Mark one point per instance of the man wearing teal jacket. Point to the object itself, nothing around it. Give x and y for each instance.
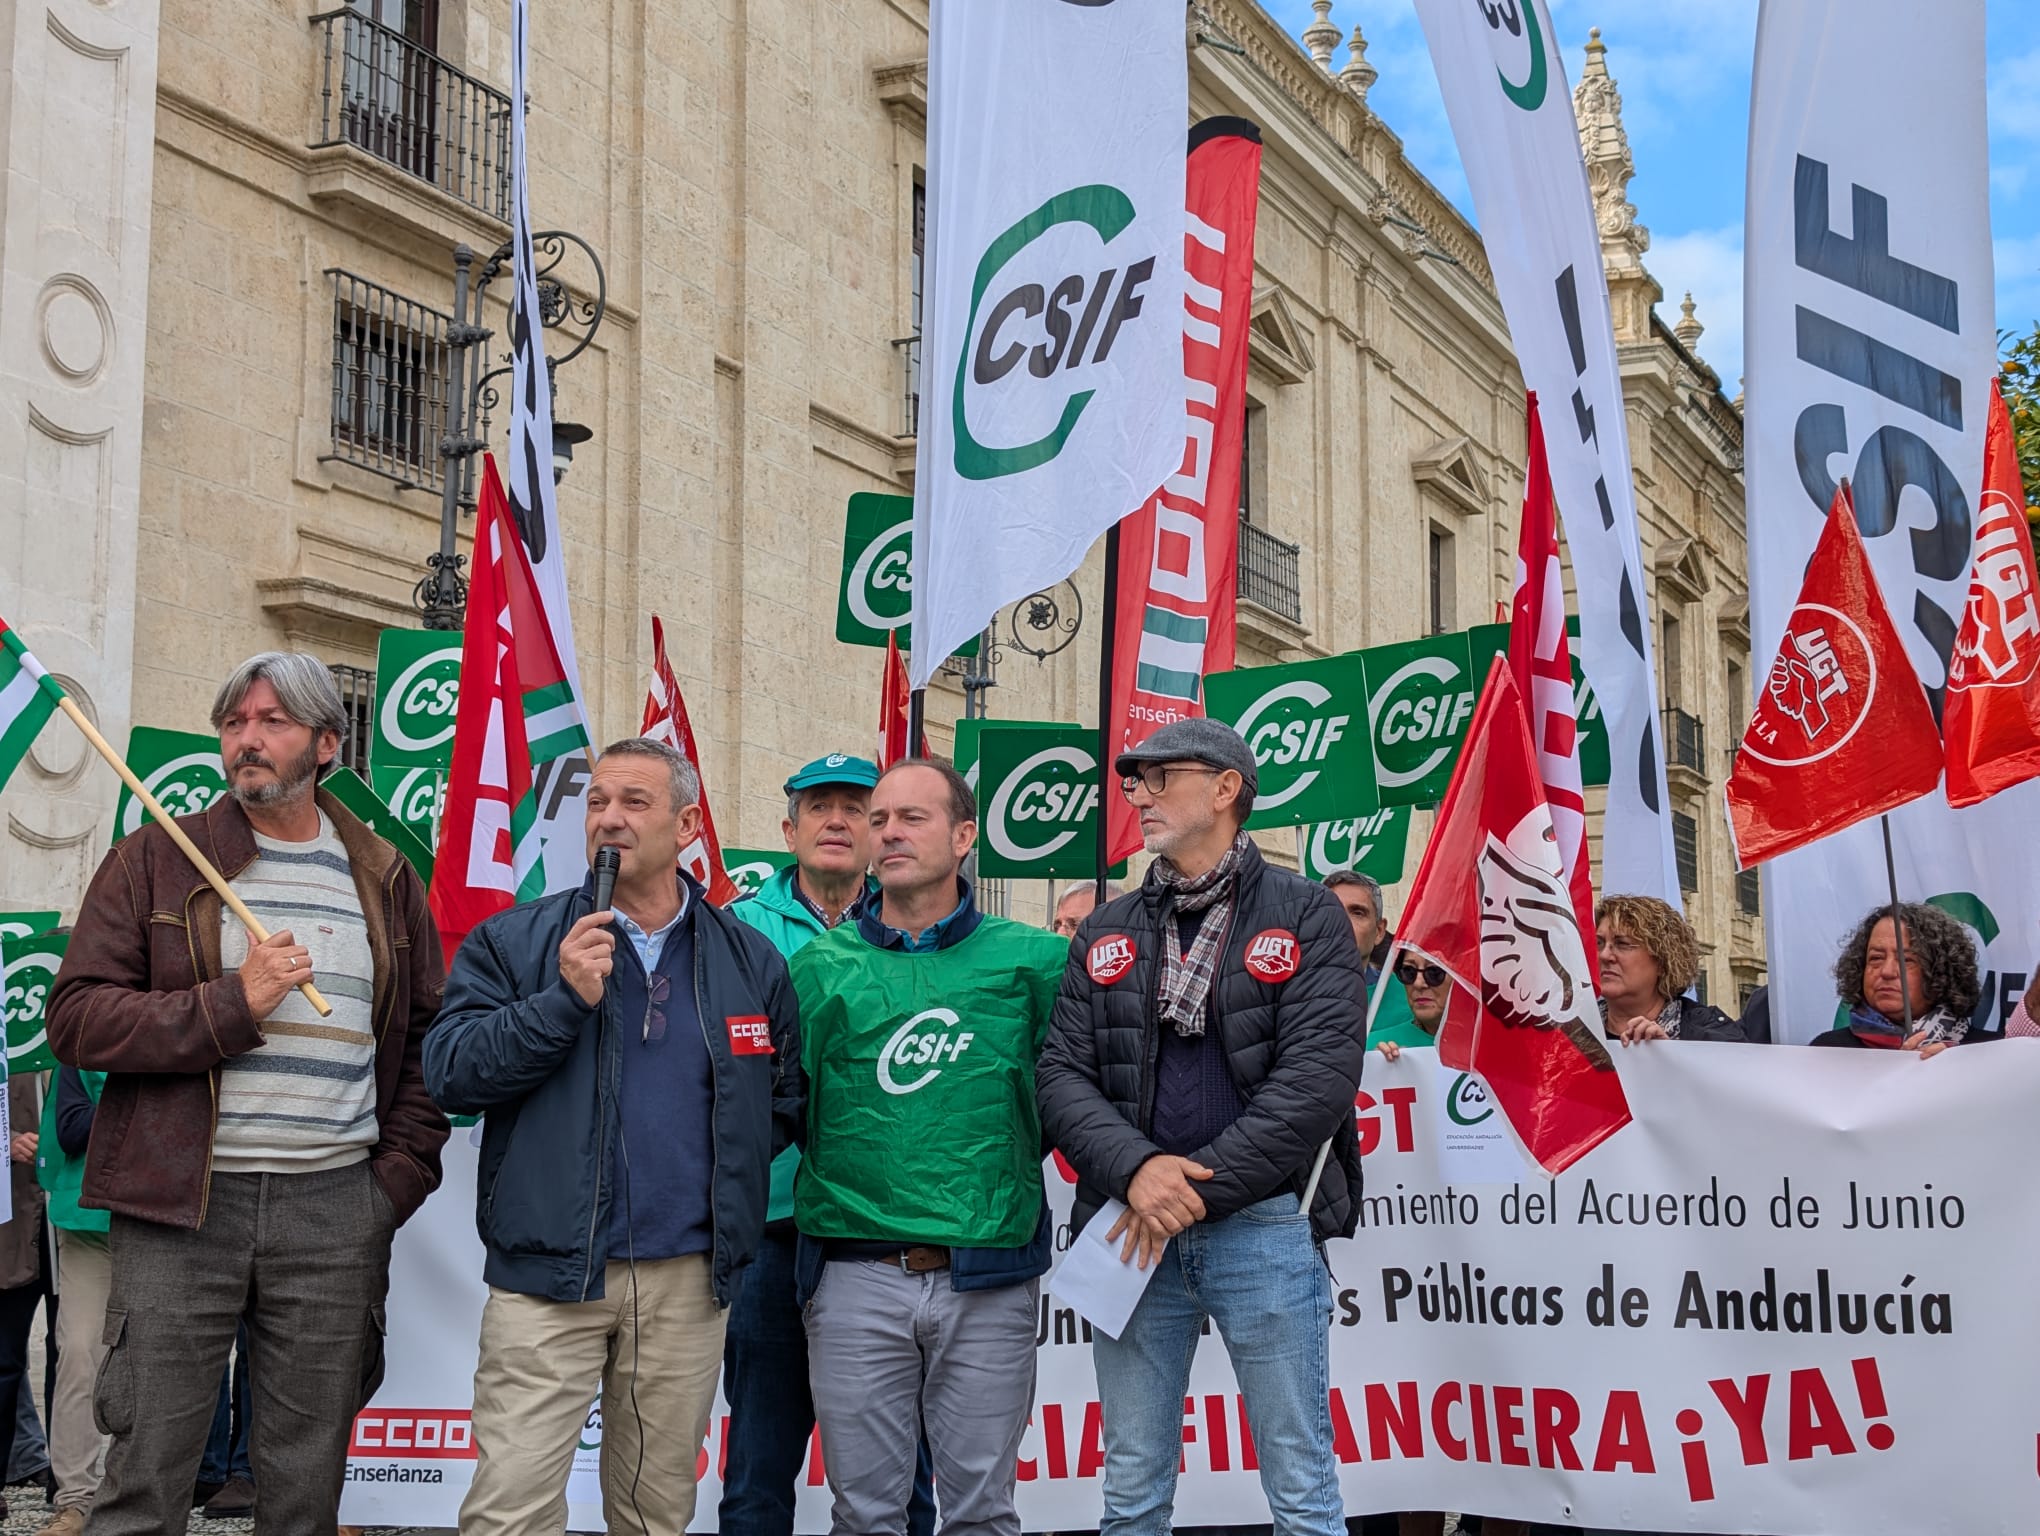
(765, 1364)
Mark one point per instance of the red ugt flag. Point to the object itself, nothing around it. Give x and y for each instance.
(1492, 906)
(1991, 718)
(1540, 660)
(1842, 730)
(666, 720)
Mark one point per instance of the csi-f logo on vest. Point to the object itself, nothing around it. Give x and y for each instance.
(1272, 954)
(1111, 957)
(930, 1040)
(1819, 691)
(1045, 310)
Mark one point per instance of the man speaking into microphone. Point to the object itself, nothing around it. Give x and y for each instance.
(636, 1058)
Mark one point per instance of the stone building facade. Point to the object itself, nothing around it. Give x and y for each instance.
(224, 298)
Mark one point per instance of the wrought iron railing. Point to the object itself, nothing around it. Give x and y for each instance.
(1268, 572)
(391, 363)
(357, 698)
(404, 104)
(1685, 740)
(909, 350)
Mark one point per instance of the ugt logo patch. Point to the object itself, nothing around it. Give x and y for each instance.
(1111, 958)
(1271, 954)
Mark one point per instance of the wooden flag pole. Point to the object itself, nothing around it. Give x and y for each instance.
(199, 861)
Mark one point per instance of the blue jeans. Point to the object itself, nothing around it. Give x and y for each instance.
(226, 1448)
(1260, 1279)
(772, 1412)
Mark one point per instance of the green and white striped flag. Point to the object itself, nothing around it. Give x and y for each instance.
(28, 697)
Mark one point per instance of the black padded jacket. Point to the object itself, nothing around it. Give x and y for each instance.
(1291, 1012)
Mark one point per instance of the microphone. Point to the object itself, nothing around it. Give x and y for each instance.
(607, 862)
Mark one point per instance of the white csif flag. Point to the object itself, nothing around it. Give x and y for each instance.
(563, 783)
(1052, 352)
(1870, 335)
(1512, 115)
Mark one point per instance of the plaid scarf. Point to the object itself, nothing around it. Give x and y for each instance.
(1186, 979)
(1669, 1018)
(1935, 1025)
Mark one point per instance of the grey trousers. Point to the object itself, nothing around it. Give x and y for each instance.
(306, 1258)
(892, 1356)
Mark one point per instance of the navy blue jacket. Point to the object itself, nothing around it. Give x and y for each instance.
(516, 1044)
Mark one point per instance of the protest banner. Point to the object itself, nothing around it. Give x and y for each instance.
(750, 868)
(875, 597)
(417, 795)
(24, 925)
(1756, 1309)
(381, 818)
(1038, 801)
(1306, 724)
(1376, 845)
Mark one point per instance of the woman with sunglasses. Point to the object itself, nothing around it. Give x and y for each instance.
(1649, 958)
(1428, 989)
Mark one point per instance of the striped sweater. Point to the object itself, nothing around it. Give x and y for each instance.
(304, 1101)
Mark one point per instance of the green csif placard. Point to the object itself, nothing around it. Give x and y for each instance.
(180, 768)
(417, 691)
(348, 788)
(1038, 801)
(28, 972)
(876, 596)
(1306, 724)
(1376, 845)
(750, 868)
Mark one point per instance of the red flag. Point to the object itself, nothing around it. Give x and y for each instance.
(516, 710)
(1842, 730)
(1540, 660)
(1491, 905)
(1991, 717)
(666, 720)
(1176, 608)
(895, 705)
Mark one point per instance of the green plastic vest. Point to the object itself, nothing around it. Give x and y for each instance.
(61, 1175)
(921, 1117)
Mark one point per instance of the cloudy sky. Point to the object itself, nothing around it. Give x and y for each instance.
(1684, 70)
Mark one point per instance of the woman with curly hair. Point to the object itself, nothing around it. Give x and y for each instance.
(1939, 980)
(1648, 959)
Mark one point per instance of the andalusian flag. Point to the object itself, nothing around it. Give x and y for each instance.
(518, 711)
(28, 697)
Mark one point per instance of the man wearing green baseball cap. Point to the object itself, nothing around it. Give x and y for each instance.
(765, 1369)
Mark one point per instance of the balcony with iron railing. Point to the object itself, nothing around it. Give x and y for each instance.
(1269, 576)
(1685, 746)
(400, 102)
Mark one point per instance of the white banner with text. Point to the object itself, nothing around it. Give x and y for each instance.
(1788, 1299)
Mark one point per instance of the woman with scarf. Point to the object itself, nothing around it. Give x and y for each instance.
(1939, 982)
(1648, 958)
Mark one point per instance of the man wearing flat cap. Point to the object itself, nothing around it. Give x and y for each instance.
(1207, 1040)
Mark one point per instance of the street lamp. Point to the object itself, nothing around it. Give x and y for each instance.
(441, 596)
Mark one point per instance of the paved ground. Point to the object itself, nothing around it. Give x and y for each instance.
(27, 1514)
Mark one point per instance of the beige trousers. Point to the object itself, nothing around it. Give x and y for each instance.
(77, 1448)
(540, 1363)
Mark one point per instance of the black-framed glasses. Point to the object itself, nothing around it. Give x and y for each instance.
(1155, 776)
(658, 988)
(1408, 972)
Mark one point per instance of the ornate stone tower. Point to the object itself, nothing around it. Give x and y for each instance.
(1597, 102)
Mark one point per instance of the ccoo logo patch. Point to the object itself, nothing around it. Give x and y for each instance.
(1111, 958)
(1272, 955)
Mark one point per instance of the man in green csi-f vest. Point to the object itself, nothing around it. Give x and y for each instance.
(765, 1359)
(924, 1227)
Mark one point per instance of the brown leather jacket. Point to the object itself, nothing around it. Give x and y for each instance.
(140, 996)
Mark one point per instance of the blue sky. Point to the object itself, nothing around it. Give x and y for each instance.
(1684, 70)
